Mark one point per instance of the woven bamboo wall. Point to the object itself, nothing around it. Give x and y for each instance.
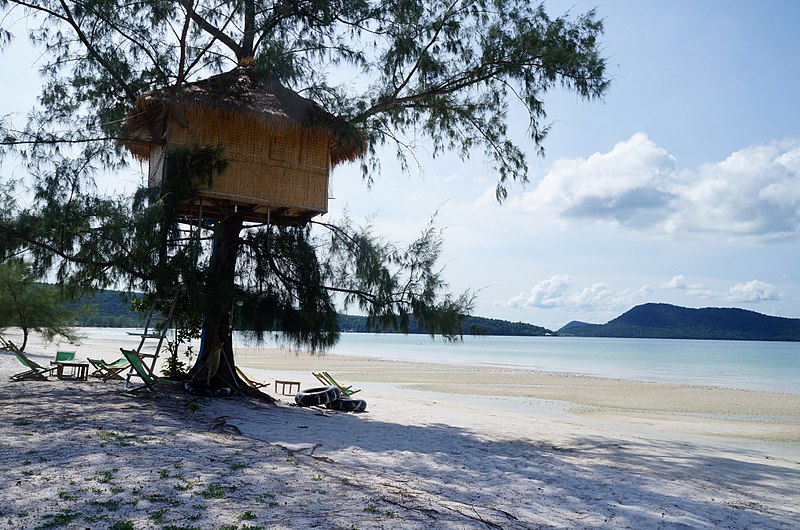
(271, 164)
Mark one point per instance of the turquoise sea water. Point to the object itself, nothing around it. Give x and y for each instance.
(771, 366)
(749, 365)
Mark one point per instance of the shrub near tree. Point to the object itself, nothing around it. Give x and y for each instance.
(445, 72)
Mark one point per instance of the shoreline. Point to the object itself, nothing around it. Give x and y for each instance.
(746, 414)
(438, 447)
(439, 352)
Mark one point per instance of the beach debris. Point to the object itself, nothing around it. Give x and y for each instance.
(221, 425)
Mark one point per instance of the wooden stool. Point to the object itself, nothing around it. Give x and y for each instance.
(77, 371)
(287, 388)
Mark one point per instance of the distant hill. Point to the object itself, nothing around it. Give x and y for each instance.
(106, 309)
(112, 309)
(472, 326)
(665, 321)
(491, 326)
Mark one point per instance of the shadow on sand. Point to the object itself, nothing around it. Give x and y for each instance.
(84, 453)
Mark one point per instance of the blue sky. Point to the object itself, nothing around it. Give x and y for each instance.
(681, 186)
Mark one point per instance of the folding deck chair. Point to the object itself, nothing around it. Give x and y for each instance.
(108, 371)
(34, 371)
(258, 385)
(63, 357)
(148, 378)
(326, 379)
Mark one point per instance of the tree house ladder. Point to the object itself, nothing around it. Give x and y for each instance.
(151, 339)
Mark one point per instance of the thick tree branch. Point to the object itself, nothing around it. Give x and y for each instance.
(212, 30)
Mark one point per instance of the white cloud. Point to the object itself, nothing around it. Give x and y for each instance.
(627, 185)
(699, 291)
(677, 282)
(696, 289)
(754, 193)
(555, 292)
(754, 291)
(546, 293)
(487, 199)
(596, 295)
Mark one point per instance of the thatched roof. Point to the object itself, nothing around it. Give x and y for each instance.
(238, 92)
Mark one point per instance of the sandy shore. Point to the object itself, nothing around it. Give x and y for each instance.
(439, 447)
(749, 415)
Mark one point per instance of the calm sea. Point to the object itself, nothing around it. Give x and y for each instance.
(771, 366)
(750, 365)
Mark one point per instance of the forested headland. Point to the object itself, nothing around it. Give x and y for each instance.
(665, 321)
(657, 321)
(113, 309)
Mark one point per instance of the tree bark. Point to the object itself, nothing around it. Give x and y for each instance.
(215, 367)
(214, 371)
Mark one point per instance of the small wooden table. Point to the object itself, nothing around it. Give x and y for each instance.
(282, 385)
(76, 371)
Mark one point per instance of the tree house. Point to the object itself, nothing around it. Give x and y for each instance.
(278, 147)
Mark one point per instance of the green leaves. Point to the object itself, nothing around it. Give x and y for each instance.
(283, 288)
(391, 284)
(293, 279)
(32, 306)
(446, 71)
(400, 71)
(449, 71)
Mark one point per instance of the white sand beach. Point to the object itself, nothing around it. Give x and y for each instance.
(438, 447)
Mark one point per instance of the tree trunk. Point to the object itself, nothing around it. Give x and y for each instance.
(215, 367)
(23, 324)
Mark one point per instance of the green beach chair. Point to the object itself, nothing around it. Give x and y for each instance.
(108, 371)
(326, 379)
(63, 357)
(34, 371)
(148, 378)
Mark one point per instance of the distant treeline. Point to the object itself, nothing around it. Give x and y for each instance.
(472, 326)
(107, 309)
(657, 321)
(665, 321)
